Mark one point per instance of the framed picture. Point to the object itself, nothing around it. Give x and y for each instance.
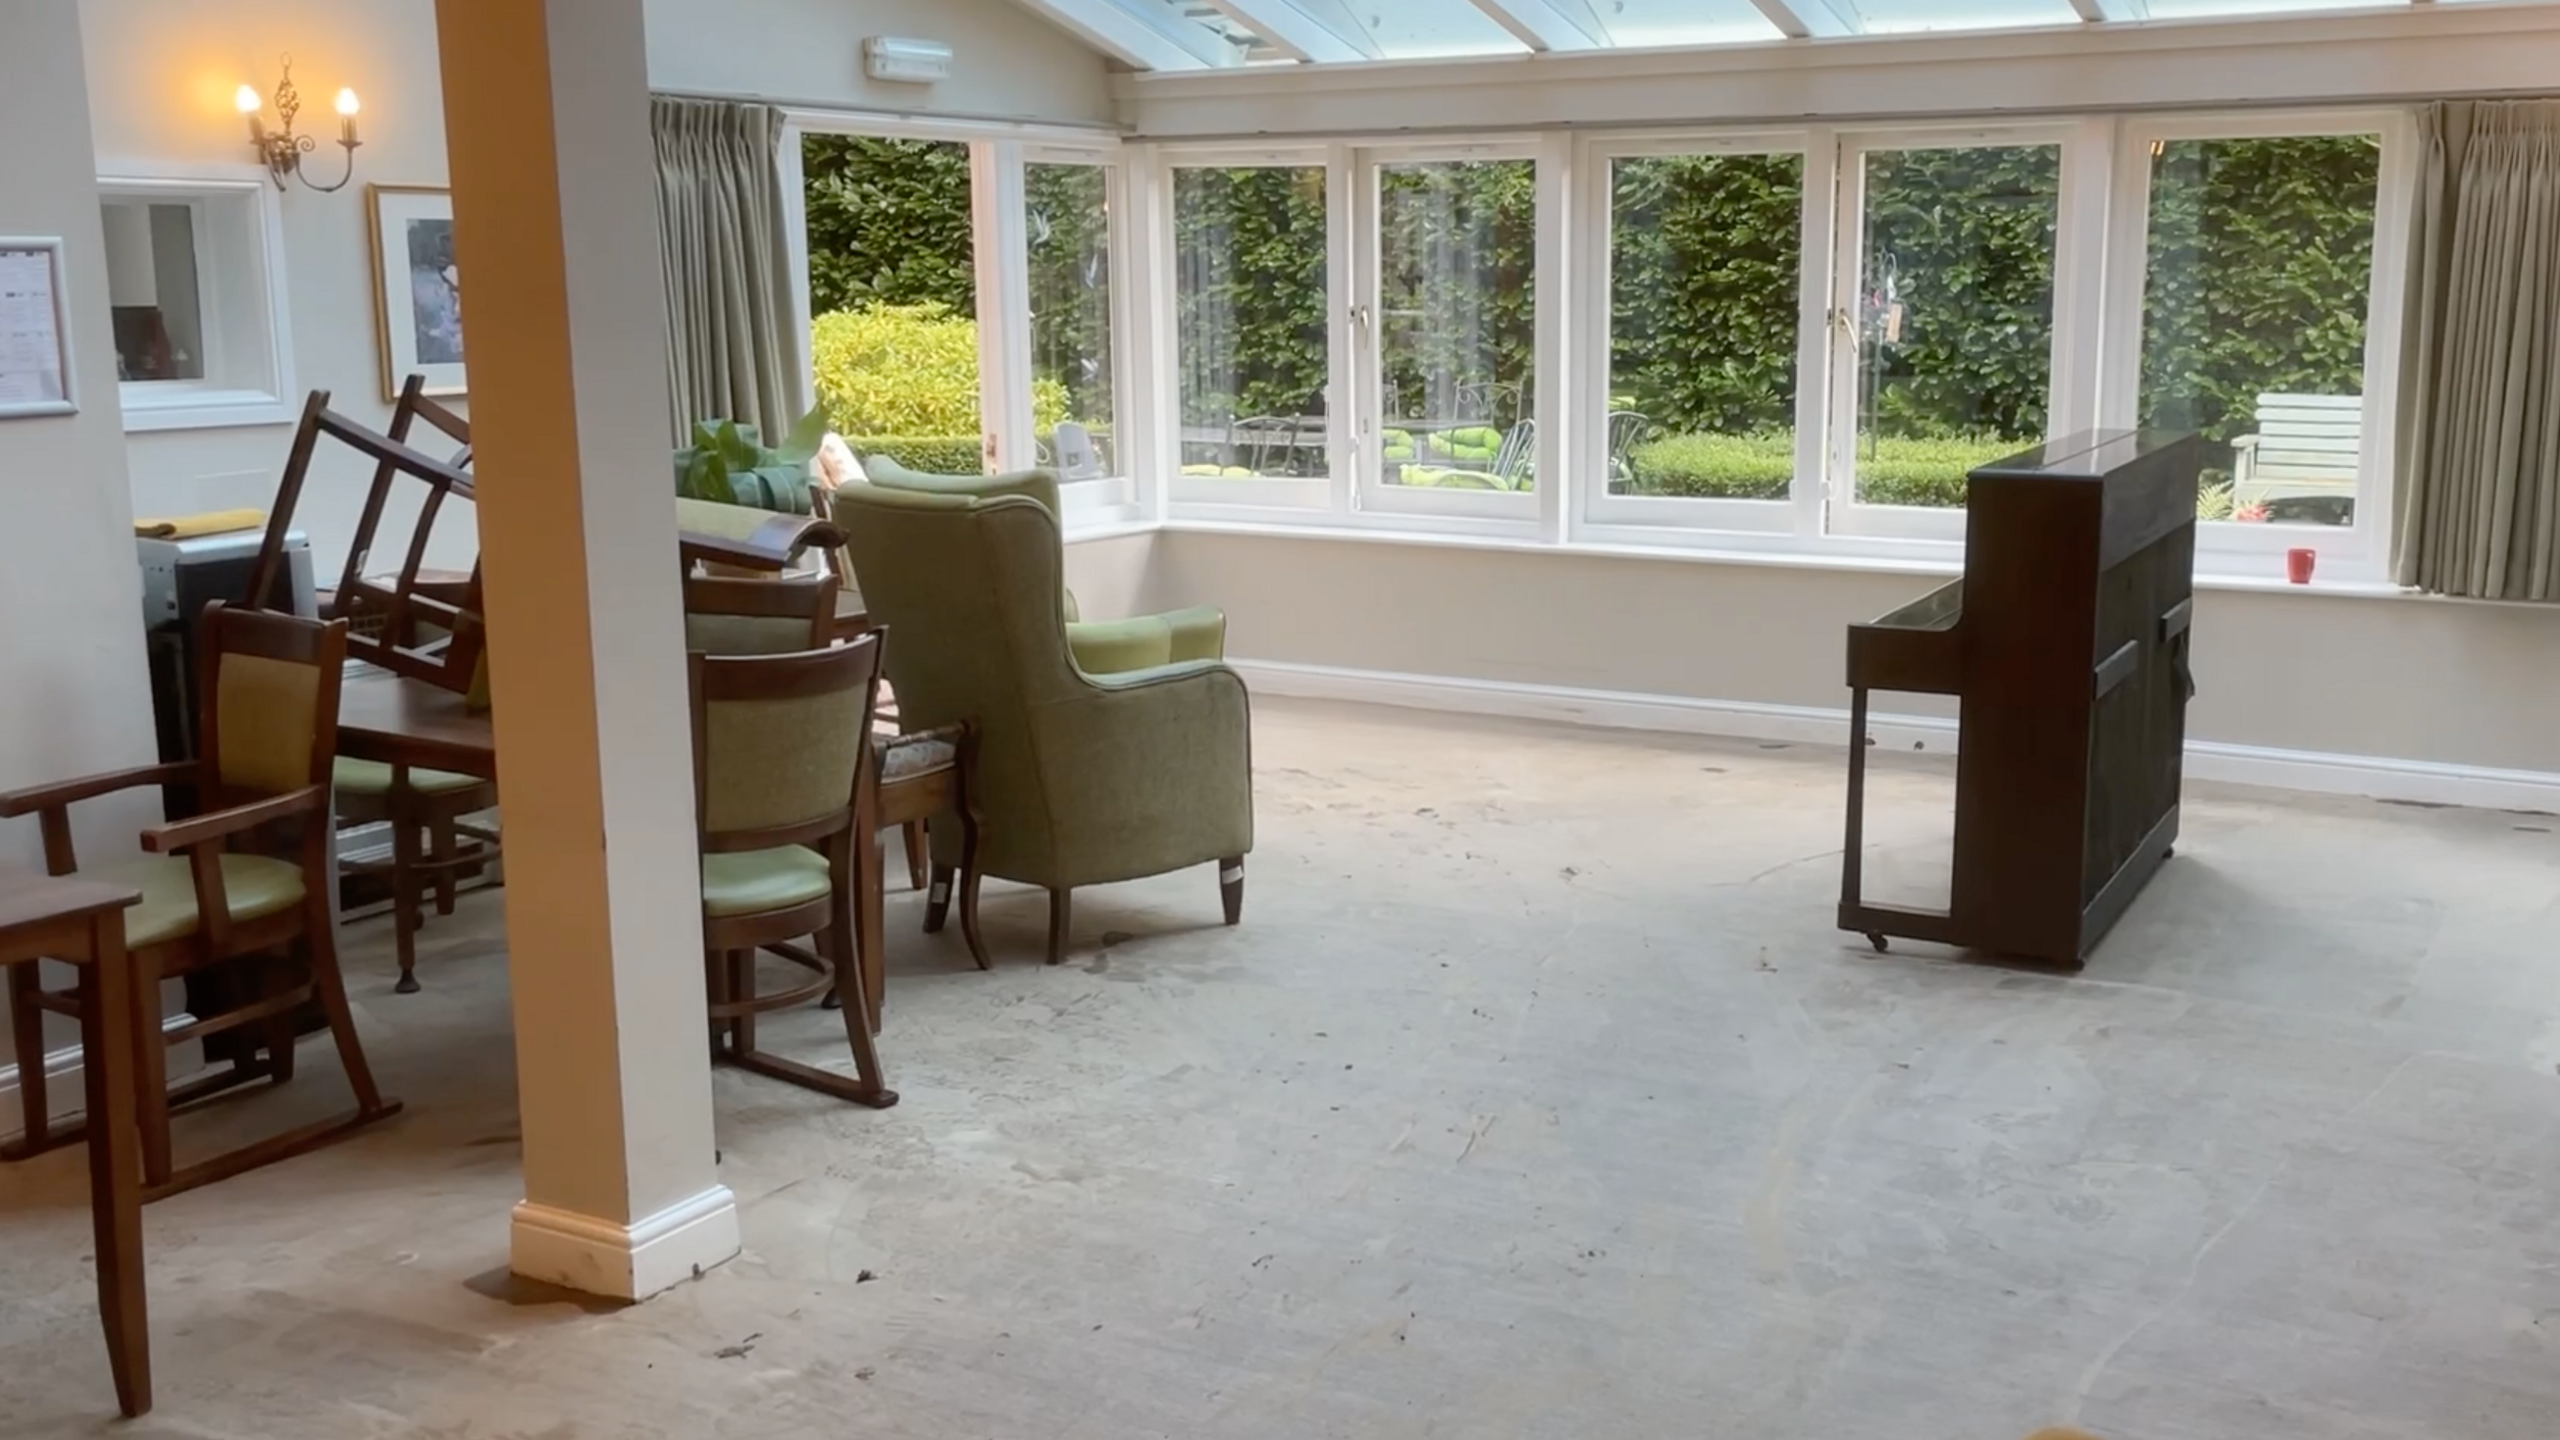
(417, 288)
(35, 329)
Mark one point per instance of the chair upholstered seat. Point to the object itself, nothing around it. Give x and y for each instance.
(372, 777)
(255, 886)
(904, 757)
(750, 882)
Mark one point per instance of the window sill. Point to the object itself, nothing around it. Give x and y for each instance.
(204, 410)
(1945, 561)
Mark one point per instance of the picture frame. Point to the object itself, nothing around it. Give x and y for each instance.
(417, 289)
(36, 374)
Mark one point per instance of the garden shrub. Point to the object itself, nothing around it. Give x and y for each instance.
(907, 370)
(932, 454)
(1762, 467)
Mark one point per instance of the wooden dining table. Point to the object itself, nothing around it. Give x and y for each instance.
(80, 921)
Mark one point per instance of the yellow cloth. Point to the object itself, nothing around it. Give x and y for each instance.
(212, 522)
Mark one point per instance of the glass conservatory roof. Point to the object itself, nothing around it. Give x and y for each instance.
(1211, 34)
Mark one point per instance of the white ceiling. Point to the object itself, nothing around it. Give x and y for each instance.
(1196, 35)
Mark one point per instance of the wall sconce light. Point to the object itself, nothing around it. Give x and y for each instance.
(281, 150)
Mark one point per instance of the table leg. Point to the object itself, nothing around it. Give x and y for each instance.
(115, 1161)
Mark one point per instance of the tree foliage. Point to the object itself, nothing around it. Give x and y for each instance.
(888, 223)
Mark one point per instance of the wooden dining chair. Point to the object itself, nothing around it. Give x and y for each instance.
(413, 622)
(778, 743)
(268, 687)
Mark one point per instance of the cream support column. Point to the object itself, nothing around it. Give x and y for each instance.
(556, 231)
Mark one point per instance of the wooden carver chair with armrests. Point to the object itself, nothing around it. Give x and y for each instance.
(777, 834)
(909, 776)
(412, 623)
(268, 723)
(1103, 752)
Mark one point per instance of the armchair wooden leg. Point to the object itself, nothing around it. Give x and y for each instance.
(937, 900)
(1061, 916)
(844, 939)
(150, 1068)
(969, 886)
(742, 986)
(1231, 887)
(330, 984)
(917, 850)
(405, 919)
(26, 1024)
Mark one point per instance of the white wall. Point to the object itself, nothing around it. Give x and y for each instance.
(1007, 64)
(161, 75)
(77, 699)
(2430, 681)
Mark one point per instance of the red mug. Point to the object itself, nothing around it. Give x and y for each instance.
(2298, 562)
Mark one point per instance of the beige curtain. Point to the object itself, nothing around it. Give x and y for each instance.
(2478, 509)
(734, 353)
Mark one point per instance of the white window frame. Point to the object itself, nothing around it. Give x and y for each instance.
(2358, 551)
(1113, 495)
(247, 329)
(1458, 511)
(1268, 498)
(999, 254)
(1604, 518)
(2085, 150)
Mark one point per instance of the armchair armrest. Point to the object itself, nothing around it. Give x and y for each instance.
(1148, 770)
(196, 830)
(55, 797)
(1112, 647)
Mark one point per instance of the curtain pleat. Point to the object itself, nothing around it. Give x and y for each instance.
(2478, 494)
(733, 353)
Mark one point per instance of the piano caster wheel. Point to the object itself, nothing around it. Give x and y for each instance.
(1877, 940)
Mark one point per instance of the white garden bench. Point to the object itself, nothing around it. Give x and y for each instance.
(2305, 445)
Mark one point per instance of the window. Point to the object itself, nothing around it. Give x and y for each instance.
(1067, 214)
(2257, 290)
(889, 225)
(1946, 318)
(1252, 348)
(1704, 310)
(194, 303)
(2258, 306)
(1455, 330)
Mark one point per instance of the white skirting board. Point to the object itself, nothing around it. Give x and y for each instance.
(624, 1262)
(2376, 777)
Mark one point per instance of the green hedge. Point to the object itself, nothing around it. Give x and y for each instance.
(1762, 467)
(932, 454)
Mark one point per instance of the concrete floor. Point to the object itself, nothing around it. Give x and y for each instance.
(1535, 1097)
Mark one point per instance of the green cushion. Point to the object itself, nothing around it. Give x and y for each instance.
(254, 885)
(750, 882)
(372, 777)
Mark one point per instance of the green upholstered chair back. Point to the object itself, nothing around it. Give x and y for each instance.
(1040, 485)
(267, 712)
(778, 739)
(777, 616)
(270, 699)
(970, 587)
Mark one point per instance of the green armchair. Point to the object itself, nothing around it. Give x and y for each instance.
(1086, 776)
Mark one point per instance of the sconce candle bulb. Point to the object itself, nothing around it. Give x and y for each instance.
(282, 150)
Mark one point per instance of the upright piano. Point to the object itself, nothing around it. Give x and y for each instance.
(2066, 643)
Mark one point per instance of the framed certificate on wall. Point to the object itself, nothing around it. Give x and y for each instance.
(35, 329)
